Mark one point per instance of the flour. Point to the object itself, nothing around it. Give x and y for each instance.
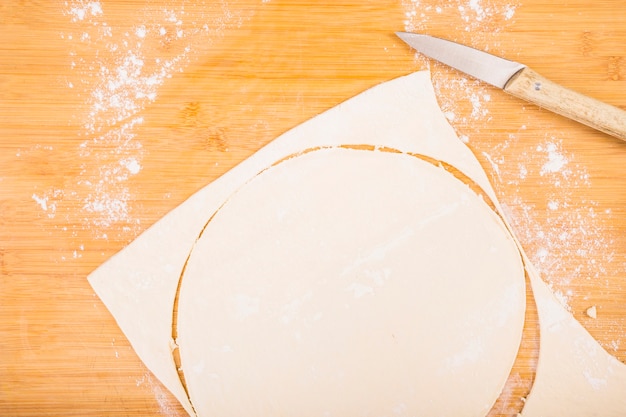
(81, 9)
(117, 72)
(461, 91)
(575, 229)
(131, 165)
(572, 244)
(556, 160)
(42, 201)
(141, 31)
(48, 201)
(567, 237)
(122, 76)
(167, 405)
(474, 16)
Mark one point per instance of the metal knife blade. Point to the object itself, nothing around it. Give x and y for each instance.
(482, 65)
(522, 82)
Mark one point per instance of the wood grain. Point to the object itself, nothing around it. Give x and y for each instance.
(530, 86)
(113, 112)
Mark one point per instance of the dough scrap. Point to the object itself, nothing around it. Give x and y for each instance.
(575, 376)
(139, 284)
(592, 312)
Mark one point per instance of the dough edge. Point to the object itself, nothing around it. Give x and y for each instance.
(137, 282)
(509, 335)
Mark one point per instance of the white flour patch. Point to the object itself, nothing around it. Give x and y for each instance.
(48, 201)
(597, 383)
(81, 9)
(495, 165)
(42, 201)
(141, 31)
(131, 165)
(556, 160)
(509, 11)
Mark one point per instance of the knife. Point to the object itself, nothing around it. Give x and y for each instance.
(522, 82)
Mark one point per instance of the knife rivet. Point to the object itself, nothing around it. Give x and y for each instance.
(537, 86)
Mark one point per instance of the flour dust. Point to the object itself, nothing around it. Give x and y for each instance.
(116, 70)
(567, 229)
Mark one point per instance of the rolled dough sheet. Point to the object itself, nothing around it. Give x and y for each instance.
(347, 282)
(575, 376)
(139, 284)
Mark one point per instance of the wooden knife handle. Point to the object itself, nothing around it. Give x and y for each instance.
(529, 85)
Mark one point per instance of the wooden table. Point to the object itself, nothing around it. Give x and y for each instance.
(113, 112)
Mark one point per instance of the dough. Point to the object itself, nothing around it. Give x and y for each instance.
(347, 282)
(575, 376)
(139, 284)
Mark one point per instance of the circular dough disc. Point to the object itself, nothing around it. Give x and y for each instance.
(347, 282)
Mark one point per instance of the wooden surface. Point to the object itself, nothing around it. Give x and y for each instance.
(112, 113)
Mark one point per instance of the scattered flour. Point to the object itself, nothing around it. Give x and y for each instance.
(121, 76)
(573, 230)
(568, 239)
(556, 160)
(80, 9)
(117, 71)
(42, 201)
(475, 16)
(167, 406)
(141, 31)
(47, 201)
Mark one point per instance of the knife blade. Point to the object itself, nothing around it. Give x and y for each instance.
(522, 82)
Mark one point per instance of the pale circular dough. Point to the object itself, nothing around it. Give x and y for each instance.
(345, 282)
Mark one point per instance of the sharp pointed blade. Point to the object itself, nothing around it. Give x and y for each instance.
(482, 65)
